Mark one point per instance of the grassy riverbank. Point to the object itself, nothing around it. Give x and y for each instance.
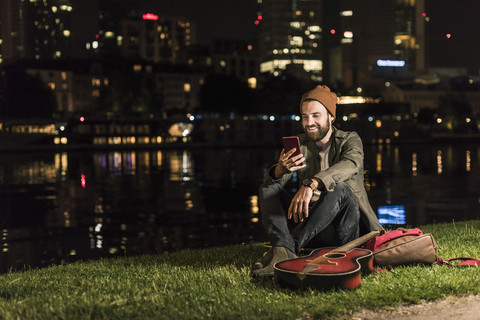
(215, 284)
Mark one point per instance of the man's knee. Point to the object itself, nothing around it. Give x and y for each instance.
(269, 190)
(343, 191)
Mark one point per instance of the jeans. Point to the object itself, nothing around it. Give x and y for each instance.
(337, 209)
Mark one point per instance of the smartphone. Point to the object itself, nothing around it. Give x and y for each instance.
(290, 143)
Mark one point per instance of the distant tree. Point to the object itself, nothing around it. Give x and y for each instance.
(281, 95)
(24, 96)
(426, 116)
(129, 93)
(3, 88)
(454, 111)
(224, 94)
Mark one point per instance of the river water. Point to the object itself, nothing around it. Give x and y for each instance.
(59, 207)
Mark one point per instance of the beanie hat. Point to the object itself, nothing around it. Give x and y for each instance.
(323, 95)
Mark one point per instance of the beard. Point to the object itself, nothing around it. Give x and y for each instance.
(321, 133)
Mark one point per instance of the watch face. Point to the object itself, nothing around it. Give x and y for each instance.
(307, 182)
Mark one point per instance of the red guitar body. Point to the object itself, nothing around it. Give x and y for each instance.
(325, 268)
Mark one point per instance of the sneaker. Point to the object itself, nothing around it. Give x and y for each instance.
(267, 256)
(279, 254)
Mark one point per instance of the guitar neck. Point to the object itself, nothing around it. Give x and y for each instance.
(357, 242)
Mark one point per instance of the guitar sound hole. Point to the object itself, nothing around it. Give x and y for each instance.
(334, 255)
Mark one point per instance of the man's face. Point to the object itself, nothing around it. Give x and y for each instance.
(316, 120)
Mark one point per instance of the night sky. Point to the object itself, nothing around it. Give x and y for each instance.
(460, 19)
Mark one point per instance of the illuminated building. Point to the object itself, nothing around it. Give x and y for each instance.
(157, 38)
(290, 32)
(35, 29)
(237, 58)
(381, 39)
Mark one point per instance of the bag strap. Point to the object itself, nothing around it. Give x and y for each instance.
(466, 261)
(378, 241)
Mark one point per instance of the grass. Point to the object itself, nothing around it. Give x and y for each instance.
(215, 283)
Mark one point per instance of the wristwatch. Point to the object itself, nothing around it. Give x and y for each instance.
(308, 182)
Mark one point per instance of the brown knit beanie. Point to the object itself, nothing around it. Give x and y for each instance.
(323, 95)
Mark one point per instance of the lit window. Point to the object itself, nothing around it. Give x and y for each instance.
(66, 33)
(348, 34)
(297, 41)
(252, 82)
(295, 24)
(346, 13)
(187, 87)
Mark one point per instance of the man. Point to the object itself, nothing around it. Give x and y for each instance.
(330, 167)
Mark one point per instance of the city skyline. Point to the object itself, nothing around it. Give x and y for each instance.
(453, 39)
(215, 19)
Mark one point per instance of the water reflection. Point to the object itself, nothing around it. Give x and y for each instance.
(60, 207)
(440, 184)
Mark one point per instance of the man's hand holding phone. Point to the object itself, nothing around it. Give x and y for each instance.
(291, 158)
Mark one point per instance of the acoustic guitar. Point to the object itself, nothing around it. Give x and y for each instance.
(328, 268)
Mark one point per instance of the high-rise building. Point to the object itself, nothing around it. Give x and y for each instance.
(36, 29)
(290, 32)
(12, 30)
(235, 58)
(381, 39)
(158, 38)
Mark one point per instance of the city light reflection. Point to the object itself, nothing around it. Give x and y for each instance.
(468, 162)
(254, 204)
(181, 166)
(439, 162)
(414, 164)
(379, 162)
